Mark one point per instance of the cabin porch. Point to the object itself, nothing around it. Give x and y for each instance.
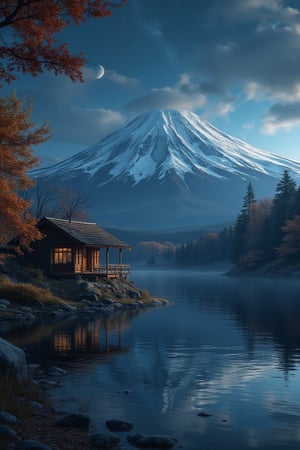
(88, 262)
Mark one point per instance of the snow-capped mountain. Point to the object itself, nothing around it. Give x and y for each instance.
(155, 143)
(169, 168)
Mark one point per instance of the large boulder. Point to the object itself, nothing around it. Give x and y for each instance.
(156, 441)
(6, 431)
(8, 419)
(12, 361)
(104, 440)
(118, 425)
(74, 420)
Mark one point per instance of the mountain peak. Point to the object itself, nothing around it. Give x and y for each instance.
(168, 168)
(163, 143)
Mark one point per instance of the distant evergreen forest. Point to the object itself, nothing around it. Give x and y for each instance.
(265, 232)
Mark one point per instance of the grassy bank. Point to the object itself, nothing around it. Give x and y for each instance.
(28, 294)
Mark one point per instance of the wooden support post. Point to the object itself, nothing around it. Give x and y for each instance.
(107, 260)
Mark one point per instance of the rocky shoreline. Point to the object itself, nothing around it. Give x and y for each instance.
(71, 296)
(101, 297)
(48, 429)
(42, 427)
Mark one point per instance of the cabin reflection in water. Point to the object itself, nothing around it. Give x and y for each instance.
(98, 337)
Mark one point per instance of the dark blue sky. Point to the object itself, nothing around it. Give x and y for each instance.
(234, 62)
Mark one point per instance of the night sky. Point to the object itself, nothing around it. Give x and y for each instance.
(234, 62)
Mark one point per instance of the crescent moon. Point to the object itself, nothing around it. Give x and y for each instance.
(100, 72)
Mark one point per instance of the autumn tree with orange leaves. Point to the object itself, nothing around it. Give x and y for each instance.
(28, 44)
(28, 28)
(17, 135)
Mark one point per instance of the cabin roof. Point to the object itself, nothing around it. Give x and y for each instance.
(87, 233)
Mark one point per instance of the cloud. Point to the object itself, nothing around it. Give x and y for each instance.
(121, 79)
(248, 126)
(225, 107)
(183, 95)
(187, 94)
(253, 46)
(249, 46)
(248, 9)
(154, 30)
(90, 74)
(85, 126)
(154, 27)
(265, 62)
(281, 116)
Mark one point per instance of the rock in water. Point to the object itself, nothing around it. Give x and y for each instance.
(156, 441)
(12, 361)
(118, 425)
(73, 420)
(104, 441)
(203, 414)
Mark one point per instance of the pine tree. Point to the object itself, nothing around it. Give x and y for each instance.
(282, 210)
(241, 225)
(249, 199)
(295, 203)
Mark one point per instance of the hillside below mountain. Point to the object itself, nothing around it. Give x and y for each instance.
(168, 169)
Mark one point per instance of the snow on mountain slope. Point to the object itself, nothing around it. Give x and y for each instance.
(155, 143)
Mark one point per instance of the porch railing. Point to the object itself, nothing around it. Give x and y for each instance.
(113, 269)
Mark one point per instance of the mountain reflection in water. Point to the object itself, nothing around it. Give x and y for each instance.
(228, 347)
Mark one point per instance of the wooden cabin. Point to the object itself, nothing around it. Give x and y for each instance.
(77, 248)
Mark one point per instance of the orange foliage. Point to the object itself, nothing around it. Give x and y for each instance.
(290, 246)
(29, 45)
(156, 250)
(17, 135)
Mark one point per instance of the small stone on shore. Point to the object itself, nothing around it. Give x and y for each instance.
(156, 441)
(6, 431)
(104, 440)
(7, 418)
(73, 420)
(118, 425)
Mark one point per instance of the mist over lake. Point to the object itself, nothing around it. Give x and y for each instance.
(226, 347)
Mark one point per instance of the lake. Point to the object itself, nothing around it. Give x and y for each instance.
(226, 347)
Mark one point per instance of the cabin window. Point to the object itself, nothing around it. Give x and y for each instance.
(62, 255)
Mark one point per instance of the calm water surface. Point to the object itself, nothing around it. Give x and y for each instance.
(226, 347)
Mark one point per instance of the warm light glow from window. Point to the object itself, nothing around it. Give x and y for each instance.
(96, 258)
(78, 256)
(62, 255)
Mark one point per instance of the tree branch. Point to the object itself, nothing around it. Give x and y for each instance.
(9, 19)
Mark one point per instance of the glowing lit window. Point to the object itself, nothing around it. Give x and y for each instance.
(62, 255)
